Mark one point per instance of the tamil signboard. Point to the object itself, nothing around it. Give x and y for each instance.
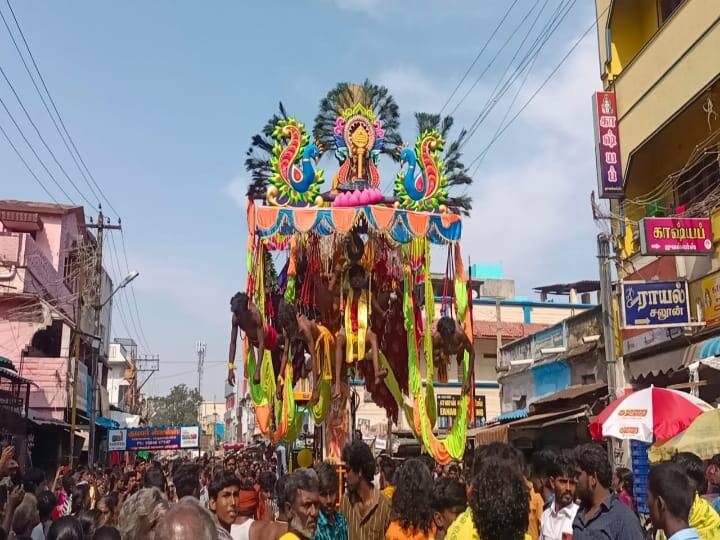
(675, 236)
(607, 146)
(447, 406)
(154, 438)
(655, 304)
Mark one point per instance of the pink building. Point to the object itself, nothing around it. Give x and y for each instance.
(38, 302)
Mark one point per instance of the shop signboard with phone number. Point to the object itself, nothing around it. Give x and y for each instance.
(154, 438)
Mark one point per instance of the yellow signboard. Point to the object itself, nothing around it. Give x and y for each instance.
(710, 298)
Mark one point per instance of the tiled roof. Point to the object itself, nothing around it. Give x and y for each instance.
(510, 330)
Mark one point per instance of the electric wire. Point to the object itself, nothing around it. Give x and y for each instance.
(42, 139)
(55, 108)
(540, 88)
(44, 102)
(509, 38)
(22, 159)
(32, 149)
(477, 57)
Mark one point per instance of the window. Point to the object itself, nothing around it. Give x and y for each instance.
(696, 183)
(667, 8)
(588, 379)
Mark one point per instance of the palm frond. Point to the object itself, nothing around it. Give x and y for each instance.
(461, 204)
(258, 156)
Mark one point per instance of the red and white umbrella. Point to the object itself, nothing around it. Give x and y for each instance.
(648, 415)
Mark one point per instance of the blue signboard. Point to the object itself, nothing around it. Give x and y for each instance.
(655, 304)
(154, 438)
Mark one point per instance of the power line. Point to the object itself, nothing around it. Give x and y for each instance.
(32, 149)
(42, 139)
(60, 118)
(497, 55)
(124, 295)
(539, 89)
(530, 56)
(44, 102)
(32, 173)
(477, 57)
(132, 292)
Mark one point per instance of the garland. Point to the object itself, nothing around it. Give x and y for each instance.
(453, 446)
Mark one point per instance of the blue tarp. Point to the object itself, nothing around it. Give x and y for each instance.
(107, 423)
(512, 415)
(709, 348)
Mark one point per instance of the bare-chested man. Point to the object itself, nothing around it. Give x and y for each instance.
(297, 326)
(450, 339)
(247, 318)
(356, 325)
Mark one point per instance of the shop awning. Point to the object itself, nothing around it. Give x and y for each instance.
(578, 394)
(502, 432)
(512, 415)
(11, 375)
(662, 362)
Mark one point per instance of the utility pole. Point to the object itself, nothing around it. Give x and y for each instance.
(615, 375)
(76, 367)
(200, 349)
(100, 226)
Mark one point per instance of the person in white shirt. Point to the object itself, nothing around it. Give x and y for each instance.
(557, 519)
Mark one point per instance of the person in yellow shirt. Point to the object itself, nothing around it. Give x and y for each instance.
(499, 505)
(387, 475)
(535, 512)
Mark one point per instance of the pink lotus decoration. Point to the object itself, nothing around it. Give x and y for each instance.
(351, 199)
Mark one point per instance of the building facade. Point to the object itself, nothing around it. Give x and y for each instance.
(41, 250)
(660, 60)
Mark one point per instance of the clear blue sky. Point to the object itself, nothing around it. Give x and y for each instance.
(162, 98)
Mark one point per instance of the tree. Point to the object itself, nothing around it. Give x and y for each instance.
(180, 406)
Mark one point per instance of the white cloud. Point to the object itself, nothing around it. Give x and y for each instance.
(237, 189)
(370, 7)
(530, 196)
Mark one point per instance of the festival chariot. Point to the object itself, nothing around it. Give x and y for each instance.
(339, 284)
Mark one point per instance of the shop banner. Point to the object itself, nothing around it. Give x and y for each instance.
(607, 146)
(154, 438)
(655, 304)
(676, 236)
(710, 287)
(447, 406)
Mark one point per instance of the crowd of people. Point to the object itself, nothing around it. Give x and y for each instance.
(492, 495)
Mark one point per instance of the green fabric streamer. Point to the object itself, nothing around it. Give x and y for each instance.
(319, 410)
(290, 290)
(394, 387)
(257, 394)
(454, 443)
(430, 401)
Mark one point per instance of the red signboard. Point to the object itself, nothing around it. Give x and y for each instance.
(607, 146)
(676, 236)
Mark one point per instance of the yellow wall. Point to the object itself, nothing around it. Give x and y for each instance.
(632, 25)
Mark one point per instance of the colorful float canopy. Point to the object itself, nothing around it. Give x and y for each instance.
(400, 225)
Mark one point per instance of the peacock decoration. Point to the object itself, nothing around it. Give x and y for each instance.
(424, 184)
(280, 160)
